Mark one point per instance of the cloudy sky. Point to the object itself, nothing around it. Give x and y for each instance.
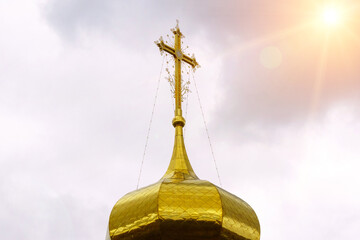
(279, 84)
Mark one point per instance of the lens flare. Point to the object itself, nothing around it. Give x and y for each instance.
(331, 16)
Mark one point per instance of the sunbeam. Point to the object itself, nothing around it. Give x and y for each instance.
(269, 38)
(319, 79)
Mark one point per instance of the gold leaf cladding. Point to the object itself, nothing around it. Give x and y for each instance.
(187, 209)
(190, 199)
(135, 211)
(238, 218)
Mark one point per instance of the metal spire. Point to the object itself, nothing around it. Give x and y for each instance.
(179, 165)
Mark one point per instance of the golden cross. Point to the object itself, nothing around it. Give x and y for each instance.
(179, 56)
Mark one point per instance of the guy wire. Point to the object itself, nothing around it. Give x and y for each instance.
(151, 118)
(187, 100)
(206, 129)
(171, 92)
(186, 109)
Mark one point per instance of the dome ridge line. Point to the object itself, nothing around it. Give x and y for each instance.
(158, 199)
(221, 201)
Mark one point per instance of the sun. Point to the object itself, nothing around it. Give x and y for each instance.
(331, 16)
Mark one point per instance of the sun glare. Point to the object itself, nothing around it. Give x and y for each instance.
(331, 16)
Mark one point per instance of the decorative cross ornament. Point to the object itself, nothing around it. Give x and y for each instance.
(179, 56)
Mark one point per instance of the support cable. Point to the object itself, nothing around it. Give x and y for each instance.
(186, 109)
(206, 129)
(171, 90)
(151, 118)
(187, 98)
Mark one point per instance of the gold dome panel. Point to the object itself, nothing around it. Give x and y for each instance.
(186, 209)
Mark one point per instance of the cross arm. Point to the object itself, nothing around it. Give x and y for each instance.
(163, 47)
(191, 61)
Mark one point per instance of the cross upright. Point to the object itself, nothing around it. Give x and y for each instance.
(179, 56)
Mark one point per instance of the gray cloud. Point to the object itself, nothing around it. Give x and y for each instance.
(270, 99)
(253, 94)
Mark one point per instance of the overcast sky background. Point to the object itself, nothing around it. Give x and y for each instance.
(280, 93)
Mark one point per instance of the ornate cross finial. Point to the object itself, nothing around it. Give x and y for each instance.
(179, 56)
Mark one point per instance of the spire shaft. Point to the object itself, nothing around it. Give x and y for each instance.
(179, 167)
(178, 58)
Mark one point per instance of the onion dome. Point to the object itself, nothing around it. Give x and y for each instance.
(181, 206)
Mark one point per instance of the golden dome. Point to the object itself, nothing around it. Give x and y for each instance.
(180, 206)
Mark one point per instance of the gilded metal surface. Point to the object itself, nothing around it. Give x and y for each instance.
(179, 56)
(179, 167)
(183, 209)
(135, 213)
(180, 205)
(239, 219)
